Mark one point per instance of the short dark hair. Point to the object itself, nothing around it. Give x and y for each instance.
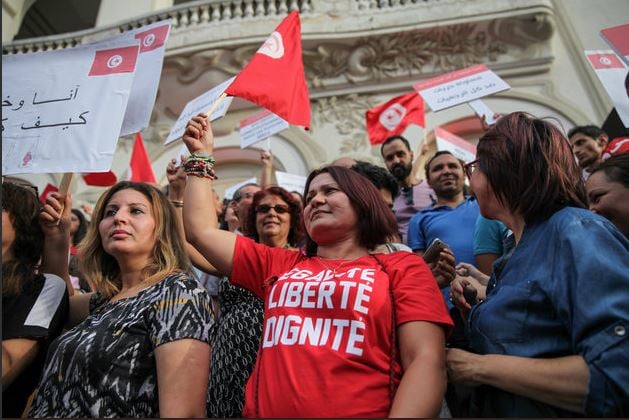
(378, 176)
(238, 193)
(616, 169)
(530, 166)
(376, 221)
(439, 153)
(588, 130)
(392, 139)
(296, 231)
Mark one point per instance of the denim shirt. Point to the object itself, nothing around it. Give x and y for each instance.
(563, 291)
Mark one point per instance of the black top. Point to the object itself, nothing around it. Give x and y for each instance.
(38, 313)
(105, 366)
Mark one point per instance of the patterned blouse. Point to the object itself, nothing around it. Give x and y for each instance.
(105, 366)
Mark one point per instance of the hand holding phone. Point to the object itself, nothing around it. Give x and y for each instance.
(431, 254)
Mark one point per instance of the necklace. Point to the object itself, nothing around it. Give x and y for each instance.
(339, 264)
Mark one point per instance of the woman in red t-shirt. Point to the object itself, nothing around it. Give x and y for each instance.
(346, 333)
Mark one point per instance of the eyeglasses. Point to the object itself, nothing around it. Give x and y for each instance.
(469, 168)
(265, 208)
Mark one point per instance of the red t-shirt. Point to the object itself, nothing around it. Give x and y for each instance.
(326, 338)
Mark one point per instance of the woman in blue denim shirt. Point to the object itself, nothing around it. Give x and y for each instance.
(551, 337)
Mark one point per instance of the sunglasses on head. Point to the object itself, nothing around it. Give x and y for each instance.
(279, 209)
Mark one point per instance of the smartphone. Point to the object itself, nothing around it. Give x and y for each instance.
(432, 253)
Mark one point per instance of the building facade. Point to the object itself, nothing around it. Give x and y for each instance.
(357, 54)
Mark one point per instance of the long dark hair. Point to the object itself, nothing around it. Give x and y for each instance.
(530, 166)
(296, 231)
(376, 222)
(23, 209)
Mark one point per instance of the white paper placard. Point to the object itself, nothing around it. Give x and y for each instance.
(229, 192)
(481, 109)
(460, 86)
(62, 110)
(201, 103)
(291, 182)
(260, 126)
(611, 71)
(459, 147)
(152, 39)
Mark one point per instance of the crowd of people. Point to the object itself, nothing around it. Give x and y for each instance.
(326, 302)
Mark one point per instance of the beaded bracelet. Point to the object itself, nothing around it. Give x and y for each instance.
(201, 166)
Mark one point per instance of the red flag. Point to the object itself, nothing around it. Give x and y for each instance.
(140, 169)
(153, 38)
(391, 118)
(49, 189)
(116, 60)
(100, 179)
(275, 78)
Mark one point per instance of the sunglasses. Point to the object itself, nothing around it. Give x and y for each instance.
(469, 168)
(265, 208)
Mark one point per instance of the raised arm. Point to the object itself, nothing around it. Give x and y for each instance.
(199, 214)
(266, 158)
(55, 220)
(176, 186)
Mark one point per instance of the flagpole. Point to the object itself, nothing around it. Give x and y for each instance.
(216, 103)
(63, 189)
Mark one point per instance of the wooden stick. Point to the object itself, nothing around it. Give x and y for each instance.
(64, 188)
(65, 182)
(216, 103)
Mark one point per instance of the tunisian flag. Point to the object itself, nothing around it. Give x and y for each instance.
(140, 169)
(275, 78)
(391, 118)
(100, 179)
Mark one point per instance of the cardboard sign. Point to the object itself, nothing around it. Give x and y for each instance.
(291, 182)
(611, 71)
(62, 110)
(229, 192)
(618, 38)
(260, 126)
(459, 147)
(460, 86)
(201, 103)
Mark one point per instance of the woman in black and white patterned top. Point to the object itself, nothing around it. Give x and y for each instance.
(148, 323)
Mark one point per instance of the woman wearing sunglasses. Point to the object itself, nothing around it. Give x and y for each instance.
(345, 333)
(275, 220)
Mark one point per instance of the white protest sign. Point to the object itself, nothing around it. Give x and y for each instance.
(459, 147)
(229, 192)
(611, 71)
(618, 38)
(260, 126)
(460, 86)
(291, 182)
(152, 39)
(183, 151)
(201, 103)
(62, 110)
(482, 110)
